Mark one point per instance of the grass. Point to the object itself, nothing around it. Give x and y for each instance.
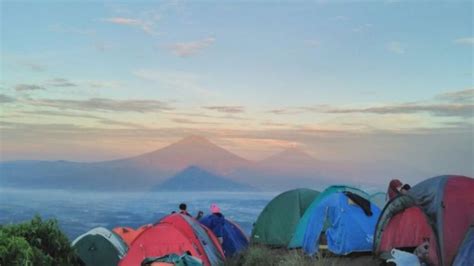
(257, 255)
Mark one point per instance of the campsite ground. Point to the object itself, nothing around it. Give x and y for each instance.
(261, 255)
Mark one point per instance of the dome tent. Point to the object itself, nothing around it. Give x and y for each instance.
(439, 210)
(234, 239)
(300, 229)
(179, 234)
(347, 221)
(100, 247)
(276, 223)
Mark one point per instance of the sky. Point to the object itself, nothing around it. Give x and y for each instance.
(343, 80)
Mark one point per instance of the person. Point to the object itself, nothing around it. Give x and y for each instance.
(405, 188)
(215, 222)
(394, 188)
(199, 215)
(183, 209)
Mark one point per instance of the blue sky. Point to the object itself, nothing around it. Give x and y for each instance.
(253, 76)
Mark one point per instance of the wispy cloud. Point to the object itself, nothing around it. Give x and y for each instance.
(146, 25)
(191, 122)
(226, 109)
(313, 43)
(340, 18)
(6, 99)
(362, 28)
(60, 82)
(460, 110)
(102, 120)
(32, 66)
(103, 104)
(28, 87)
(187, 49)
(459, 104)
(465, 41)
(396, 47)
(464, 96)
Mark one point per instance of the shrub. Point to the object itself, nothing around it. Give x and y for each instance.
(35, 242)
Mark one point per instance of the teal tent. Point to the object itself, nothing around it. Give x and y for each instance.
(276, 223)
(100, 247)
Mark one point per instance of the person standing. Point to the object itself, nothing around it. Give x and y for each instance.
(215, 222)
(394, 188)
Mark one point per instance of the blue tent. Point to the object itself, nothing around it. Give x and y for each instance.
(345, 224)
(234, 239)
(465, 254)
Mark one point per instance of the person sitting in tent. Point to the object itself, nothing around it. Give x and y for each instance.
(394, 188)
(404, 189)
(183, 209)
(215, 222)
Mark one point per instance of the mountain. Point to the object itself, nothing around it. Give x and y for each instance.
(193, 150)
(290, 160)
(290, 168)
(134, 173)
(194, 178)
(287, 169)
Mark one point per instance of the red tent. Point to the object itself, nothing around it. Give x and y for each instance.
(206, 241)
(177, 234)
(156, 241)
(438, 210)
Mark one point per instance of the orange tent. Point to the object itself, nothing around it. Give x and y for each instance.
(129, 234)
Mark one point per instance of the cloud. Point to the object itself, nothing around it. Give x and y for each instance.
(33, 66)
(226, 109)
(146, 25)
(102, 120)
(60, 82)
(191, 122)
(187, 49)
(313, 43)
(460, 110)
(285, 111)
(362, 28)
(28, 87)
(464, 96)
(103, 104)
(340, 18)
(465, 41)
(456, 104)
(6, 99)
(395, 47)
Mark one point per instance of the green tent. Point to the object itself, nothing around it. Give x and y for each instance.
(277, 222)
(100, 247)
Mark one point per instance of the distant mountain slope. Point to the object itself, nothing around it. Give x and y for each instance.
(194, 178)
(193, 150)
